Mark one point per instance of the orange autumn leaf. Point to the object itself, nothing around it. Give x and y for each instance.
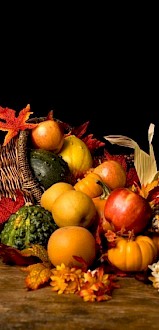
(145, 190)
(37, 250)
(38, 275)
(9, 122)
(150, 186)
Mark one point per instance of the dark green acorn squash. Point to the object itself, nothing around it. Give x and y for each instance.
(48, 167)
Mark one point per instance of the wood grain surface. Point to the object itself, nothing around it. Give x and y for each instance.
(134, 305)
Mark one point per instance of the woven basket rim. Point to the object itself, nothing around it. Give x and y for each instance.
(20, 175)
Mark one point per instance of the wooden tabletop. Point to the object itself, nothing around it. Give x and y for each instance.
(134, 305)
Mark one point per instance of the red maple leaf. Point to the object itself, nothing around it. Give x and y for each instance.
(14, 124)
(119, 158)
(92, 143)
(131, 177)
(9, 206)
(80, 130)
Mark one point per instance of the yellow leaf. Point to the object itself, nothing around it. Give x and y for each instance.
(38, 275)
(38, 251)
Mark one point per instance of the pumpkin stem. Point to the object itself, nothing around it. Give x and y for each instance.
(106, 189)
(128, 235)
(131, 235)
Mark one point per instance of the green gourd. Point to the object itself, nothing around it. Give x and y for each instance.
(48, 167)
(31, 224)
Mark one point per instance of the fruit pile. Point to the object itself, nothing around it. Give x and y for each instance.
(89, 216)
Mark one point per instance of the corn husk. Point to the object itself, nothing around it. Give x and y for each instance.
(145, 164)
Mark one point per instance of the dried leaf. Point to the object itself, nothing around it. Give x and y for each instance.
(145, 164)
(38, 275)
(144, 191)
(153, 194)
(12, 256)
(111, 236)
(9, 206)
(121, 140)
(98, 233)
(119, 158)
(92, 143)
(84, 265)
(131, 177)
(80, 130)
(14, 124)
(38, 251)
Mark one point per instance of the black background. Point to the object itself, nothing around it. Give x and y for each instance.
(97, 69)
(123, 104)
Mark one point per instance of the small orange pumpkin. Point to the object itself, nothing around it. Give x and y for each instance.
(99, 203)
(133, 254)
(89, 185)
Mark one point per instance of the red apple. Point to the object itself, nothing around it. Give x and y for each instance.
(125, 209)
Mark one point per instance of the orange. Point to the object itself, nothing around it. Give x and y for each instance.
(49, 195)
(112, 174)
(66, 242)
(48, 135)
(74, 208)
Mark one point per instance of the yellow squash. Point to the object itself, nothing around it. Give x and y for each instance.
(77, 155)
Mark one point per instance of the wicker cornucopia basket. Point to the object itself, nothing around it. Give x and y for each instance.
(15, 172)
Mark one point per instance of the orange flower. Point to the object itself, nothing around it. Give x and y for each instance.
(96, 287)
(66, 280)
(90, 285)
